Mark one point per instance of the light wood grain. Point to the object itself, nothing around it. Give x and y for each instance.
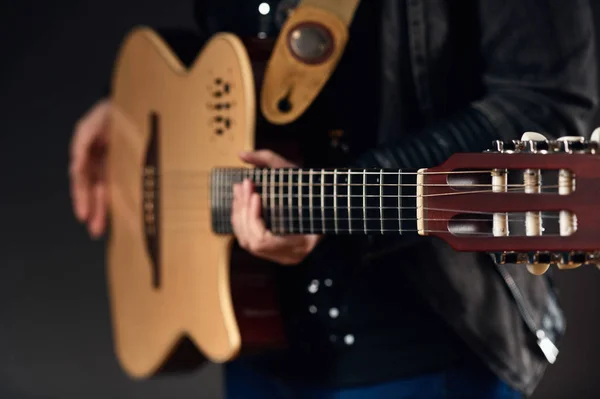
(194, 298)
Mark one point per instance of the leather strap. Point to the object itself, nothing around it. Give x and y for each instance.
(343, 9)
(306, 53)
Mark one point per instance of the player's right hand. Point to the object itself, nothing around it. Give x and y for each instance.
(87, 168)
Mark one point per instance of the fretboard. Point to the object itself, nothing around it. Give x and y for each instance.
(322, 201)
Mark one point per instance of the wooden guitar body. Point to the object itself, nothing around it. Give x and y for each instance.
(174, 296)
(182, 294)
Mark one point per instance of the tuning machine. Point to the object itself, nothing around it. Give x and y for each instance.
(539, 262)
(534, 142)
(530, 142)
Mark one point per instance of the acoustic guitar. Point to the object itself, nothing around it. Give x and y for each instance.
(182, 292)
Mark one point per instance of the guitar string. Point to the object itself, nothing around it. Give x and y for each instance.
(225, 201)
(510, 215)
(285, 195)
(343, 219)
(238, 173)
(225, 197)
(328, 171)
(368, 231)
(306, 184)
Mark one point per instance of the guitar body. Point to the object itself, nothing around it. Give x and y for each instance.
(179, 293)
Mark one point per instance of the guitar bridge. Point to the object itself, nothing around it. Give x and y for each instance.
(150, 201)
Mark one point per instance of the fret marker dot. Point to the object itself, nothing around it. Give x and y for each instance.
(328, 282)
(312, 309)
(333, 313)
(313, 287)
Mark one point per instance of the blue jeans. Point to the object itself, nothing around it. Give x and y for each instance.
(241, 382)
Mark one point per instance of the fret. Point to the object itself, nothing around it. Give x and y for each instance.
(318, 206)
(300, 195)
(380, 181)
(387, 199)
(399, 202)
(259, 187)
(228, 196)
(355, 203)
(390, 197)
(310, 199)
(364, 198)
(265, 198)
(290, 198)
(273, 201)
(349, 201)
(335, 213)
(342, 196)
(220, 200)
(281, 192)
(215, 210)
(323, 228)
(257, 182)
(224, 181)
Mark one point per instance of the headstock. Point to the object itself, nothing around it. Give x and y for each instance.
(532, 201)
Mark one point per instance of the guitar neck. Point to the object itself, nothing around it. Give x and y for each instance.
(322, 201)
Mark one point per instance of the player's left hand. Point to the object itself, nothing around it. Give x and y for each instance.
(248, 226)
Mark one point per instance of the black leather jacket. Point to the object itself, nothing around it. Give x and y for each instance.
(480, 70)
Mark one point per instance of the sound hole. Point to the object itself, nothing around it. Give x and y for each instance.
(150, 202)
(220, 91)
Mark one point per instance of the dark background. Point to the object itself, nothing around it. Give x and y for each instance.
(55, 338)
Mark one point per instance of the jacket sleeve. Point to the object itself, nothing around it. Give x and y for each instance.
(539, 75)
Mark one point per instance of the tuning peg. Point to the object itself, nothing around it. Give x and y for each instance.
(535, 142)
(568, 266)
(571, 138)
(572, 144)
(533, 136)
(538, 269)
(595, 135)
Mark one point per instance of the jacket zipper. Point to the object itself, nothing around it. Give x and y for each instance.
(546, 345)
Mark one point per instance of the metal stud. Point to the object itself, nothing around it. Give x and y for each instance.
(311, 43)
(349, 339)
(333, 313)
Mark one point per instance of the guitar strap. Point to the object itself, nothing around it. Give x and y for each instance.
(306, 52)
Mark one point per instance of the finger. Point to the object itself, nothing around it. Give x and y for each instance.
(85, 133)
(242, 234)
(262, 241)
(90, 123)
(97, 222)
(88, 131)
(256, 225)
(246, 192)
(265, 158)
(80, 195)
(236, 220)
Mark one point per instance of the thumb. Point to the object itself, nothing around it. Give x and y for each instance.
(265, 158)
